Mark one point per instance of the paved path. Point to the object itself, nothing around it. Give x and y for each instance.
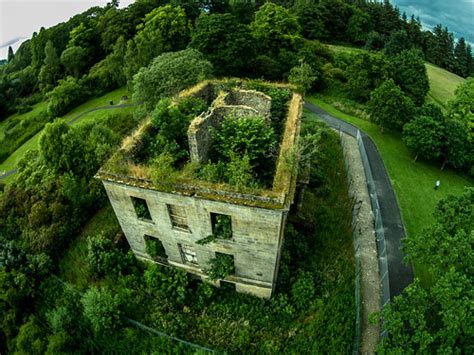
(400, 275)
(13, 171)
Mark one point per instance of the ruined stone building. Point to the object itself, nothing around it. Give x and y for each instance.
(180, 214)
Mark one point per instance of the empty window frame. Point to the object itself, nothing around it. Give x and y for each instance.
(155, 248)
(188, 254)
(178, 217)
(141, 208)
(221, 225)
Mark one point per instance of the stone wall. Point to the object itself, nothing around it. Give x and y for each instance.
(239, 103)
(255, 243)
(199, 132)
(255, 99)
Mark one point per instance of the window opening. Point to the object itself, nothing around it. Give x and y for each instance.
(188, 254)
(141, 208)
(221, 226)
(155, 248)
(178, 217)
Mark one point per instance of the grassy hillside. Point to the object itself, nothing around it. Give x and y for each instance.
(412, 181)
(104, 100)
(442, 85)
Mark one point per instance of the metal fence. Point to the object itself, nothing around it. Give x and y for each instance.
(378, 226)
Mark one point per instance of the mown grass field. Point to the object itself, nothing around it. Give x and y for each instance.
(442, 85)
(104, 100)
(412, 181)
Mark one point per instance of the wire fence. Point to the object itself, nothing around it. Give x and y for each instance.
(378, 226)
(143, 326)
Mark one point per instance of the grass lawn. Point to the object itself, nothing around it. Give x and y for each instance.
(442, 85)
(115, 95)
(17, 117)
(73, 266)
(413, 182)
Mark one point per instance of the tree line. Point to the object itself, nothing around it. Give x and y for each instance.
(103, 47)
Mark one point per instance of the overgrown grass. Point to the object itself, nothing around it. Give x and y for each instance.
(412, 181)
(73, 267)
(32, 143)
(442, 85)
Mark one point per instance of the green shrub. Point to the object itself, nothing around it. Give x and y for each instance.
(68, 94)
(220, 267)
(102, 309)
(155, 248)
(303, 290)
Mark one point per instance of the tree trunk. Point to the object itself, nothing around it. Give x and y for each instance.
(444, 163)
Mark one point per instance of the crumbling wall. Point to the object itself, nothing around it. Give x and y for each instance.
(237, 103)
(255, 99)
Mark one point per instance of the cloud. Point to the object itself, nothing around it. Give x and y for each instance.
(457, 15)
(11, 41)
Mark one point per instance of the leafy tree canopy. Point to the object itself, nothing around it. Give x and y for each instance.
(389, 107)
(168, 74)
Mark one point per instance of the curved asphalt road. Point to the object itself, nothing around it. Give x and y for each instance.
(13, 171)
(399, 274)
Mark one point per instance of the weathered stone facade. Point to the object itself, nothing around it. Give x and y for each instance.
(255, 243)
(182, 214)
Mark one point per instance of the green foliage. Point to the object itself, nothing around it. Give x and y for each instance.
(302, 76)
(164, 29)
(74, 59)
(303, 290)
(389, 107)
(170, 283)
(435, 318)
(461, 107)
(30, 339)
(155, 248)
(222, 226)
(397, 43)
(103, 256)
(168, 74)
(68, 94)
(49, 72)
(241, 136)
(423, 136)
(456, 149)
(276, 31)
(225, 42)
(220, 267)
(410, 74)
(102, 309)
(365, 72)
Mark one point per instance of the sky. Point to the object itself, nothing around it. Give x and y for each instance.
(20, 18)
(457, 15)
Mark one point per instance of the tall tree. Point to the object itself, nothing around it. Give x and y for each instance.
(226, 43)
(165, 29)
(389, 107)
(10, 54)
(461, 55)
(74, 59)
(50, 71)
(410, 74)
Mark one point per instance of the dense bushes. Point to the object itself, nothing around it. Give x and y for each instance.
(168, 74)
(434, 318)
(68, 94)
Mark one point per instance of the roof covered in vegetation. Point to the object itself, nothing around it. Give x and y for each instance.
(227, 140)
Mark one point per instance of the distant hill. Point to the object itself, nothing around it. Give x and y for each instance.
(442, 85)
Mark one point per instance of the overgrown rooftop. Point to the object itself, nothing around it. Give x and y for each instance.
(231, 140)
